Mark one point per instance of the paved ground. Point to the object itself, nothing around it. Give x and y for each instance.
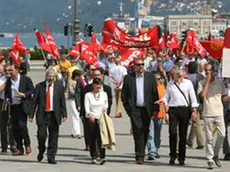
(71, 156)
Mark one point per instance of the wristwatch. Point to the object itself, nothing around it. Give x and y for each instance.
(193, 109)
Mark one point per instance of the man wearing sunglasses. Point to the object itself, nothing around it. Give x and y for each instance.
(139, 92)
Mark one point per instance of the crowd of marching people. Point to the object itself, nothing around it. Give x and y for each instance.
(180, 90)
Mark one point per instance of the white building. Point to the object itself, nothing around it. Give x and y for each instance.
(202, 24)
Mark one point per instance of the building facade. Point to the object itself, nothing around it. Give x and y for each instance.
(202, 24)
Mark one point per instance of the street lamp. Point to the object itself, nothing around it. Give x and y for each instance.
(76, 26)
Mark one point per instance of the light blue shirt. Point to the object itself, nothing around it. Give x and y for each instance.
(168, 65)
(15, 90)
(140, 102)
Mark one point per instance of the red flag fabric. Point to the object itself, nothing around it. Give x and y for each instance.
(42, 41)
(214, 48)
(173, 41)
(90, 56)
(52, 43)
(79, 48)
(128, 54)
(226, 38)
(96, 43)
(193, 41)
(14, 55)
(17, 47)
(113, 35)
(162, 42)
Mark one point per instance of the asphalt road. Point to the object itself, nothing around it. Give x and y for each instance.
(71, 156)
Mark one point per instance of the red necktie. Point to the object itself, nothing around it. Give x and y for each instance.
(48, 98)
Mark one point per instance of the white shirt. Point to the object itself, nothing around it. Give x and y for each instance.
(173, 97)
(118, 73)
(95, 104)
(2, 80)
(15, 90)
(51, 96)
(140, 102)
(229, 94)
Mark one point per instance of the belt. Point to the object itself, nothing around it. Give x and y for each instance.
(140, 107)
(178, 107)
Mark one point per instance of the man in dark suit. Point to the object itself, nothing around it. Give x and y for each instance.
(80, 99)
(50, 99)
(139, 93)
(18, 93)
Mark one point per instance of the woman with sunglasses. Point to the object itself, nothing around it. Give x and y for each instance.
(96, 102)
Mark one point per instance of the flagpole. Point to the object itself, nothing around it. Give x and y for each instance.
(44, 57)
(183, 46)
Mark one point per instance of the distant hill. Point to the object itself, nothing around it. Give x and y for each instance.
(23, 15)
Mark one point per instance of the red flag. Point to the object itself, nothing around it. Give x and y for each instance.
(14, 55)
(193, 41)
(42, 41)
(128, 54)
(17, 47)
(79, 48)
(226, 38)
(96, 43)
(52, 44)
(214, 48)
(90, 56)
(173, 41)
(162, 42)
(113, 35)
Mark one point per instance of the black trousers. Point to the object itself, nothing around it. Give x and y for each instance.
(19, 126)
(178, 116)
(95, 140)
(140, 121)
(4, 117)
(85, 122)
(50, 124)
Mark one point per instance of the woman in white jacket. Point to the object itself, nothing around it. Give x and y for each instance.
(76, 131)
(96, 102)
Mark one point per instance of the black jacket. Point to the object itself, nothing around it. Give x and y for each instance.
(25, 86)
(39, 102)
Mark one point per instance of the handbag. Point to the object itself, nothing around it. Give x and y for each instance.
(188, 102)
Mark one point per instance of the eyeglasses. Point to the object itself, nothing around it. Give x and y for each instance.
(8, 70)
(140, 64)
(92, 69)
(157, 78)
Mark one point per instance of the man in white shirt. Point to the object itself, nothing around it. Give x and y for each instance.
(117, 74)
(180, 97)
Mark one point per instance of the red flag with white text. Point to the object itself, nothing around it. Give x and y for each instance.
(42, 41)
(113, 35)
(192, 40)
(52, 43)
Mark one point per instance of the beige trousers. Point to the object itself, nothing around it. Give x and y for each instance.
(118, 102)
(220, 128)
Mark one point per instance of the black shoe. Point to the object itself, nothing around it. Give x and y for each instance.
(4, 150)
(52, 161)
(157, 155)
(40, 157)
(150, 158)
(181, 162)
(200, 147)
(210, 165)
(227, 157)
(172, 161)
(102, 161)
(217, 161)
